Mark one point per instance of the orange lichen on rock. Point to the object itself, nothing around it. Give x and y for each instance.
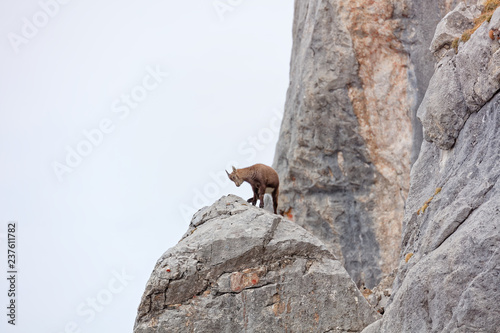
(427, 203)
(246, 278)
(408, 256)
(424, 207)
(486, 14)
(280, 306)
(288, 213)
(382, 108)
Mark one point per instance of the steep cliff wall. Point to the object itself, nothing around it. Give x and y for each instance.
(242, 269)
(449, 268)
(358, 72)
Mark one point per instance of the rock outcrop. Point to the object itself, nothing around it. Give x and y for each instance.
(242, 269)
(452, 26)
(449, 266)
(466, 81)
(358, 72)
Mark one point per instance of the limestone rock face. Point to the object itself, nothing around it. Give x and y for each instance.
(242, 269)
(462, 84)
(449, 266)
(452, 26)
(346, 143)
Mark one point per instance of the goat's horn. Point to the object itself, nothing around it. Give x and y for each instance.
(227, 172)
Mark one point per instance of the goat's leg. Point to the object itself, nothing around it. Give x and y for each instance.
(253, 199)
(275, 199)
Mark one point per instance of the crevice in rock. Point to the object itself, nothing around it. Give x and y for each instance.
(257, 286)
(308, 265)
(487, 101)
(469, 213)
(270, 234)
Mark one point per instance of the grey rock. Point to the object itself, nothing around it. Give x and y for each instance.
(319, 142)
(373, 327)
(419, 19)
(478, 62)
(461, 85)
(358, 74)
(450, 284)
(242, 269)
(452, 26)
(449, 266)
(379, 297)
(443, 111)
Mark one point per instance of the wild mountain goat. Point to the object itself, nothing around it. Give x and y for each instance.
(263, 180)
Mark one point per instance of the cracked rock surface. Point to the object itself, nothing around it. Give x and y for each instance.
(449, 269)
(242, 269)
(461, 85)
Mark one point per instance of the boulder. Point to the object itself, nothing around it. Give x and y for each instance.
(240, 268)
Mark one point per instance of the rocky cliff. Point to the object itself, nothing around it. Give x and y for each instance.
(449, 268)
(242, 269)
(359, 70)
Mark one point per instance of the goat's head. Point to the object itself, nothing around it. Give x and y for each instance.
(235, 177)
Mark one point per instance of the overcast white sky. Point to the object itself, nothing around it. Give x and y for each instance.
(117, 119)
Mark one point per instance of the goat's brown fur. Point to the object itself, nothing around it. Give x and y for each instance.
(262, 178)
